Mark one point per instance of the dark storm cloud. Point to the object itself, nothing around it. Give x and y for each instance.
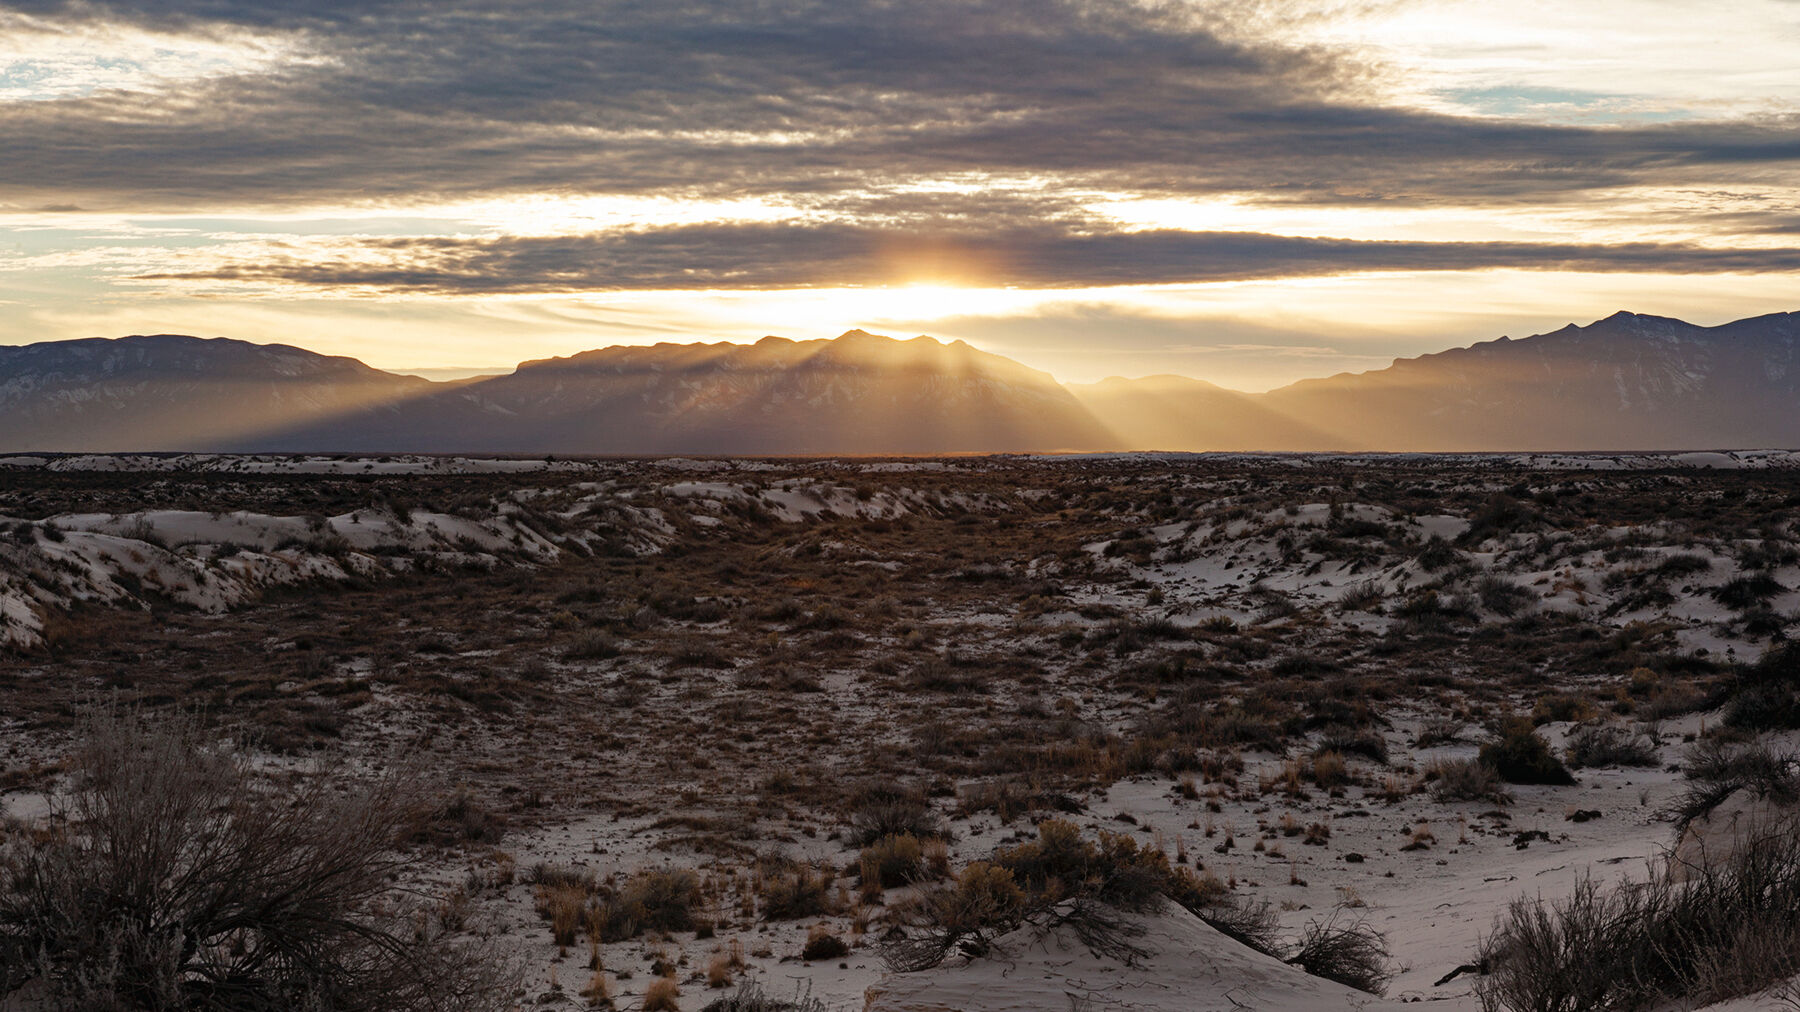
(1052, 255)
(471, 97)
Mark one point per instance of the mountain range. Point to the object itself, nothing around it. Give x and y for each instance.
(1628, 382)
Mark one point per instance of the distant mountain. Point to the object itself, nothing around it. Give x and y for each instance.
(168, 392)
(1626, 382)
(857, 394)
(1178, 413)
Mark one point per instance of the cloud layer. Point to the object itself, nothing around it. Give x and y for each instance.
(743, 145)
(779, 256)
(403, 100)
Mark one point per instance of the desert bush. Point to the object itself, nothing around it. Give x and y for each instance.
(1355, 954)
(1519, 755)
(1609, 746)
(1366, 596)
(1329, 769)
(1440, 731)
(1437, 554)
(594, 646)
(1767, 694)
(880, 810)
(176, 882)
(1724, 929)
(1684, 565)
(1347, 742)
(1716, 770)
(821, 943)
(654, 900)
(1562, 706)
(1503, 597)
(892, 861)
(1747, 592)
(981, 903)
(460, 818)
(1465, 780)
(789, 891)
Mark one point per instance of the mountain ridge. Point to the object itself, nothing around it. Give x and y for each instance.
(1626, 381)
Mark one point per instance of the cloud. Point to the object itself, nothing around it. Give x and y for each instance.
(392, 101)
(1055, 254)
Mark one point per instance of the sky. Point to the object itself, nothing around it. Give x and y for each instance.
(1248, 193)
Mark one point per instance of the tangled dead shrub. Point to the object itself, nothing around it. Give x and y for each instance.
(1715, 931)
(1716, 771)
(1609, 746)
(179, 883)
(1352, 954)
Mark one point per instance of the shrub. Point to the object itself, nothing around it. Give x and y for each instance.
(1465, 780)
(1715, 771)
(1355, 955)
(881, 810)
(793, 891)
(1562, 706)
(1767, 696)
(981, 903)
(656, 900)
(1366, 596)
(1609, 746)
(1747, 591)
(892, 861)
(176, 883)
(1329, 769)
(1344, 741)
(1436, 554)
(1503, 597)
(1521, 756)
(1440, 731)
(1727, 929)
(595, 646)
(822, 944)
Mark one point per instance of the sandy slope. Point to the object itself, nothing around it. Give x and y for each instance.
(1191, 968)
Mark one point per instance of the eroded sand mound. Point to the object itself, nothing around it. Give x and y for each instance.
(1191, 968)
